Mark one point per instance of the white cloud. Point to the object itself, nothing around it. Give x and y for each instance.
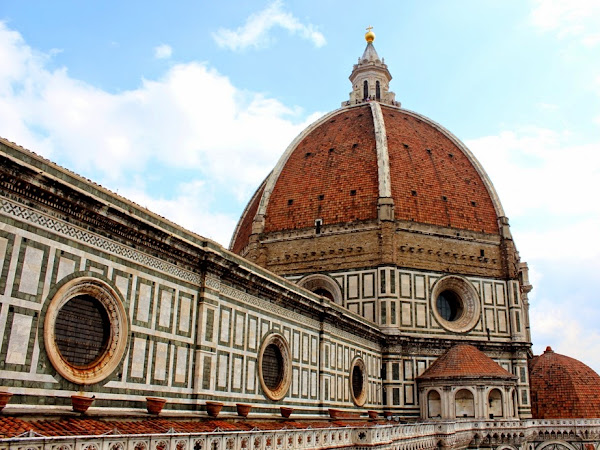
(255, 32)
(572, 18)
(187, 208)
(184, 121)
(547, 172)
(561, 327)
(163, 51)
(548, 186)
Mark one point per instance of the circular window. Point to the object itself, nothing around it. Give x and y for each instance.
(275, 366)
(85, 330)
(272, 366)
(358, 381)
(455, 304)
(82, 331)
(449, 305)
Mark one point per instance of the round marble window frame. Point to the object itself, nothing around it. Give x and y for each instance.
(359, 363)
(105, 365)
(466, 294)
(286, 356)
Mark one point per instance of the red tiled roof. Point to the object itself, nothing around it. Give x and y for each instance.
(85, 426)
(563, 388)
(432, 180)
(426, 161)
(335, 158)
(464, 361)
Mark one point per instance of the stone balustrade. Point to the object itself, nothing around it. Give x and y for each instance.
(391, 435)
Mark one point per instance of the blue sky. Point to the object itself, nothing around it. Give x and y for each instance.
(185, 106)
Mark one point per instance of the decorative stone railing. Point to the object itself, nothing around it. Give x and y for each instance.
(414, 436)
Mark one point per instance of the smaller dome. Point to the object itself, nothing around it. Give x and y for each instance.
(464, 361)
(563, 388)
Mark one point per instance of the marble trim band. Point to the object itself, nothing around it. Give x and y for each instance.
(71, 231)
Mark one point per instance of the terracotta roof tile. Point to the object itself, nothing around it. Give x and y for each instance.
(335, 158)
(332, 174)
(563, 388)
(86, 426)
(464, 361)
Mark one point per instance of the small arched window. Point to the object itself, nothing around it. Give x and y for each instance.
(365, 90)
(377, 91)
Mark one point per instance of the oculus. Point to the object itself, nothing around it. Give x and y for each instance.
(85, 330)
(275, 366)
(455, 304)
(358, 381)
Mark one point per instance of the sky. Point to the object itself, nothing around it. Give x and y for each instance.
(184, 107)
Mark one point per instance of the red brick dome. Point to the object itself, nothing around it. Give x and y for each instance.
(563, 388)
(341, 166)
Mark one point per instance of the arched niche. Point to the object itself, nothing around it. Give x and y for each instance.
(434, 404)
(464, 403)
(495, 404)
(324, 286)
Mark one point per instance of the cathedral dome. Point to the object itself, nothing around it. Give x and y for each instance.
(339, 168)
(356, 186)
(563, 387)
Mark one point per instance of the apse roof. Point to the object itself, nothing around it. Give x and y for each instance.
(464, 361)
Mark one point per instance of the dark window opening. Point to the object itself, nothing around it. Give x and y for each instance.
(481, 252)
(318, 225)
(396, 396)
(414, 193)
(377, 90)
(331, 150)
(321, 196)
(428, 150)
(290, 202)
(365, 90)
(353, 192)
(357, 381)
(444, 198)
(449, 306)
(272, 366)
(473, 203)
(82, 331)
(396, 371)
(324, 293)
